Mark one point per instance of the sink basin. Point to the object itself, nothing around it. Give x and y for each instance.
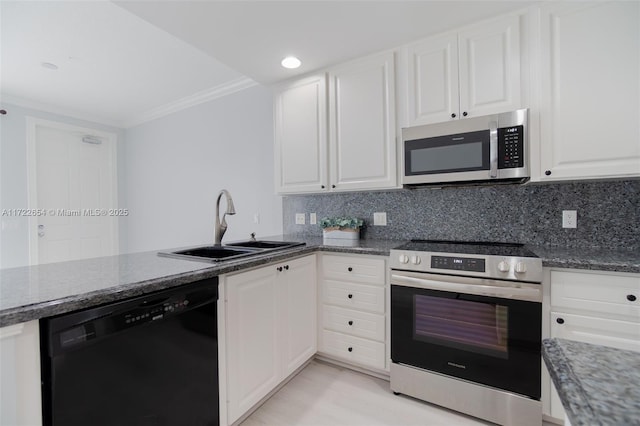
(265, 244)
(230, 251)
(212, 253)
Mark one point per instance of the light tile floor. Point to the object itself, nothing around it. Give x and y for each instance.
(327, 395)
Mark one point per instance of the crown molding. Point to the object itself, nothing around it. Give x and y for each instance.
(192, 100)
(155, 113)
(58, 110)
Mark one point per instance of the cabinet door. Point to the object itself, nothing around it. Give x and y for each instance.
(299, 342)
(490, 79)
(362, 124)
(301, 136)
(590, 90)
(252, 340)
(20, 375)
(433, 80)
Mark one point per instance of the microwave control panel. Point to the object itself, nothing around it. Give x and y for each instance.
(511, 147)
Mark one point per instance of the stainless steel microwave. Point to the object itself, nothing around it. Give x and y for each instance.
(492, 148)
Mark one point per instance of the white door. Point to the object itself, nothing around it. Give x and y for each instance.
(490, 80)
(73, 189)
(590, 90)
(301, 136)
(362, 126)
(433, 80)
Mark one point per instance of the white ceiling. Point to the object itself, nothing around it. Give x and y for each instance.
(121, 63)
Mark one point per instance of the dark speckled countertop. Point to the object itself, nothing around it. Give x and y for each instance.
(34, 292)
(598, 385)
(600, 259)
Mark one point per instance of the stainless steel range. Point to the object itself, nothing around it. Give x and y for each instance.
(466, 328)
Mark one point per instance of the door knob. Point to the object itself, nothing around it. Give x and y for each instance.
(40, 230)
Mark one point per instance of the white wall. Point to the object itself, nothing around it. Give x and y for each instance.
(176, 165)
(14, 232)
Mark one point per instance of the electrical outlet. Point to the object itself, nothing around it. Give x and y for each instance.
(569, 219)
(300, 219)
(256, 218)
(312, 219)
(380, 219)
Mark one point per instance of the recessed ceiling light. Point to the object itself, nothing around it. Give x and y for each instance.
(291, 62)
(49, 66)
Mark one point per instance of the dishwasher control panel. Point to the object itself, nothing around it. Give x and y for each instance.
(154, 311)
(72, 330)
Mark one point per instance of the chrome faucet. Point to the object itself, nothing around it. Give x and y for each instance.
(221, 227)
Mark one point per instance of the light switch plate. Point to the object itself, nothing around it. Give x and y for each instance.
(300, 219)
(569, 218)
(312, 218)
(380, 219)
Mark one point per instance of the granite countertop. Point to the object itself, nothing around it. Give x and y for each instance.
(618, 260)
(598, 385)
(34, 292)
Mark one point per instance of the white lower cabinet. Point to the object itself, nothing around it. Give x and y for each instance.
(601, 308)
(353, 306)
(20, 401)
(270, 329)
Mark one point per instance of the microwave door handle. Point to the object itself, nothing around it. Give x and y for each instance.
(493, 149)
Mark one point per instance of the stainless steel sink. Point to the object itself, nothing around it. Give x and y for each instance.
(230, 251)
(265, 244)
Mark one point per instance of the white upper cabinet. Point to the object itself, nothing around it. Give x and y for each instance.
(433, 80)
(472, 72)
(362, 124)
(589, 90)
(300, 112)
(489, 57)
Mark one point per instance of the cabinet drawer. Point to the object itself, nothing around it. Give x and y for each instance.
(355, 296)
(354, 269)
(597, 331)
(356, 323)
(359, 351)
(609, 294)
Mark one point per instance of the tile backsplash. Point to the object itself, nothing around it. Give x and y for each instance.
(608, 213)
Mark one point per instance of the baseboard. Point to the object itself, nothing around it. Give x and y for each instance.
(380, 374)
(549, 419)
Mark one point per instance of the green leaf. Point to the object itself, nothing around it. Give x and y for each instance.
(341, 222)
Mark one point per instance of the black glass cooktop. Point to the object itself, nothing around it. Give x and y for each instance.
(468, 247)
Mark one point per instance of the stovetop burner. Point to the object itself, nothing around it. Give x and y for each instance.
(468, 247)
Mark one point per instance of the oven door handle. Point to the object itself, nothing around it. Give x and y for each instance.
(476, 286)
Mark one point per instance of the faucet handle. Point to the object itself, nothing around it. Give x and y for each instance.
(253, 236)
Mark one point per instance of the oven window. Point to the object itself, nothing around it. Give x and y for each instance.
(463, 152)
(462, 324)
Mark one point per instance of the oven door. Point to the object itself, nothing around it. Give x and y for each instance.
(490, 337)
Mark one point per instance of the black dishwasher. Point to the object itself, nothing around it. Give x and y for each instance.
(147, 361)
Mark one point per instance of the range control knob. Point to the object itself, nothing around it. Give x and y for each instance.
(521, 268)
(504, 266)
(403, 258)
(416, 260)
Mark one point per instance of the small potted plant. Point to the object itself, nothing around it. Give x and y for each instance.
(346, 228)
